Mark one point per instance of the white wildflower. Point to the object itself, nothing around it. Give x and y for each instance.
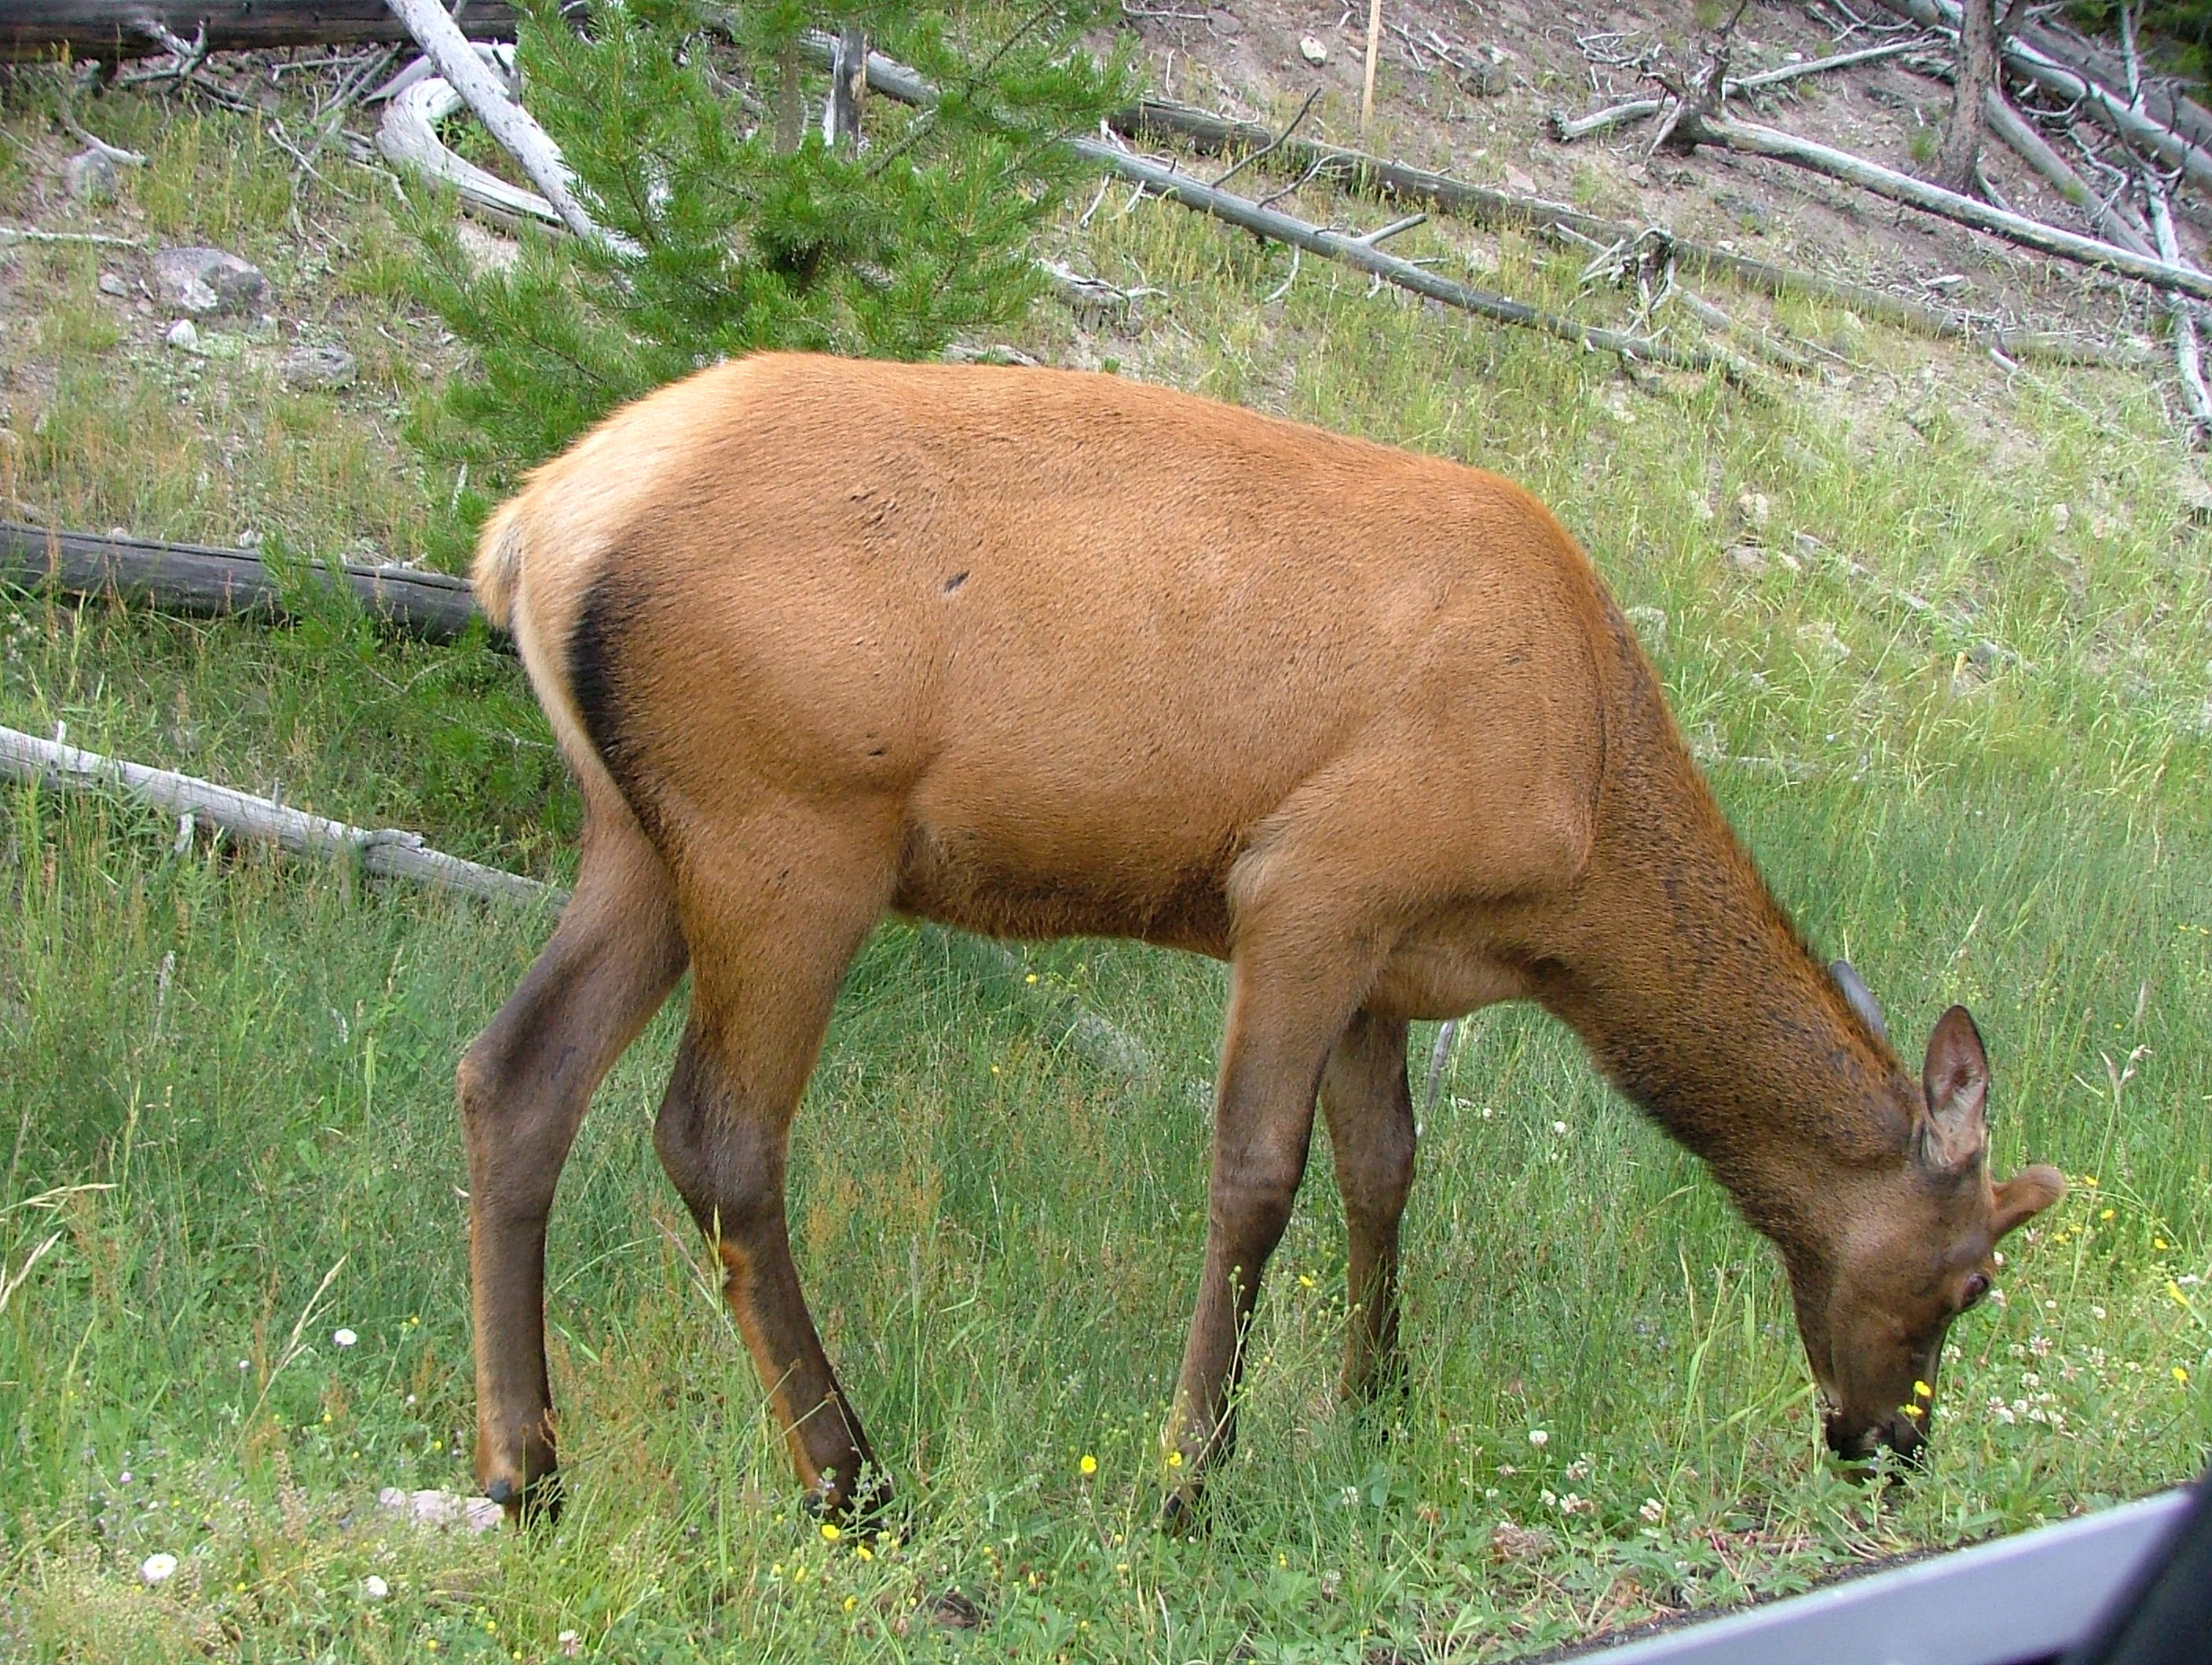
(343, 1338)
(158, 1568)
(374, 1589)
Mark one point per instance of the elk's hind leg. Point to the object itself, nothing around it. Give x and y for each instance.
(525, 1084)
(1368, 1107)
(772, 942)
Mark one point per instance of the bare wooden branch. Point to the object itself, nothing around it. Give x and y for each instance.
(443, 43)
(2109, 108)
(2109, 220)
(33, 234)
(1164, 179)
(1750, 138)
(1566, 129)
(1953, 167)
(409, 134)
(1485, 205)
(896, 80)
(116, 30)
(196, 579)
(386, 852)
(2188, 351)
(848, 81)
(1367, 82)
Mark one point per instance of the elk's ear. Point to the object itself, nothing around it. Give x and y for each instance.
(1860, 996)
(2024, 1195)
(1955, 1078)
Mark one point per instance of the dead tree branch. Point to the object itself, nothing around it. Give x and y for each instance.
(1750, 138)
(444, 44)
(1956, 157)
(2108, 107)
(384, 852)
(1566, 129)
(896, 80)
(197, 579)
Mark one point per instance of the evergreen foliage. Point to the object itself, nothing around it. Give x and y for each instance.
(729, 239)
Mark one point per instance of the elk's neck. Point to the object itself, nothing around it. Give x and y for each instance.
(1701, 1002)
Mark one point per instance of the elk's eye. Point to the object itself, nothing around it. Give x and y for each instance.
(1977, 1286)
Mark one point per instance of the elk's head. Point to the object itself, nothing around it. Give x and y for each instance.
(1910, 1249)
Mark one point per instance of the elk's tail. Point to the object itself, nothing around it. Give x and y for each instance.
(498, 568)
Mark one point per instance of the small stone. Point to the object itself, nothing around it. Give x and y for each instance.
(1651, 624)
(203, 281)
(1746, 558)
(2062, 517)
(307, 366)
(1314, 50)
(1701, 508)
(1821, 643)
(183, 336)
(483, 251)
(1516, 181)
(2195, 499)
(90, 177)
(110, 284)
(1754, 507)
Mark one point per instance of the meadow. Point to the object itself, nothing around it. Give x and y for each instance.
(1942, 627)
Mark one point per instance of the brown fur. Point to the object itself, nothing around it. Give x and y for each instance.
(1034, 653)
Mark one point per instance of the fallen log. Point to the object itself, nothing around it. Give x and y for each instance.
(517, 130)
(1356, 170)
(1567, 129)
(408, 135)
(201, 580)
(384, 852)
(2109, 108)
(117, 29)
(896, 80)
(1751, 138)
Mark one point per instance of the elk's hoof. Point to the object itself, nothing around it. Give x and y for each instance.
(532, 1503)
(1181, 1514)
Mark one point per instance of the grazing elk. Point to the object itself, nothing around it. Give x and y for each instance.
(1036, 654)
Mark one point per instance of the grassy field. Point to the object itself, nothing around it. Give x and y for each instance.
(1964, 724)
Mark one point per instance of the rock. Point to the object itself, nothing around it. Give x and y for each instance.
(307, 366)
(1746, 558)
(1314, 50)
(440, 1509)
(1651, 624)
(1516, 181)
(110, 284)
(203, 281)
(1755, 508)
(483, 251)
(1822, 644)
(183, 336)
(2194, 496)
(90, 177)
(2062, 517)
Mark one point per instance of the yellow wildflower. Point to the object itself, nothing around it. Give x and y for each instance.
(829, 1533)
(1089, 1465)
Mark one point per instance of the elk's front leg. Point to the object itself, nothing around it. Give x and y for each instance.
(1369, 1106)
(525, 1084)
(1287, 1006)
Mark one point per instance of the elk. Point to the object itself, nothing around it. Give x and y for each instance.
(1035, 653)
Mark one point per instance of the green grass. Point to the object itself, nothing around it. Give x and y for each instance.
(225, 1077)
